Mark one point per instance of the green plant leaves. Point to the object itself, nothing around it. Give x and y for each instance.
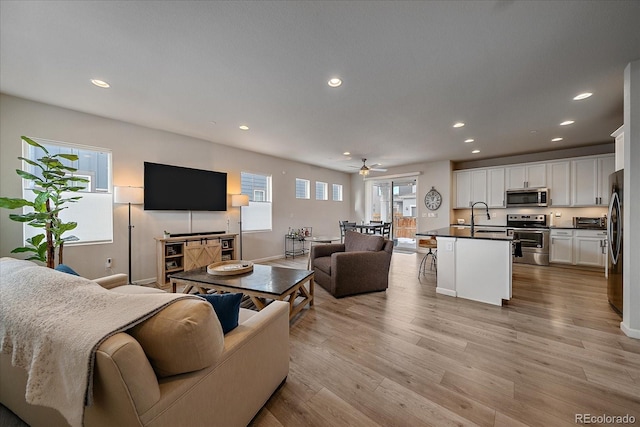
(27, 175)
(33, 143)
(9, 203)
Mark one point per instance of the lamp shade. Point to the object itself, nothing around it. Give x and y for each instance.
(238, 200)
(133, 195)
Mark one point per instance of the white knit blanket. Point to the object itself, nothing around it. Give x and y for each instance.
(51, 323)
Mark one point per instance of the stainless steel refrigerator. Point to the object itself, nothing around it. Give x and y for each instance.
(614, 237)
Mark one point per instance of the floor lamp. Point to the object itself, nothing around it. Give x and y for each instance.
(130, 196)
(238, 201)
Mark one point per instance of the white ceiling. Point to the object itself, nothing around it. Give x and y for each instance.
(508, 69)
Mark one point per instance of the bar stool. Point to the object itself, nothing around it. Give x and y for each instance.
(430, 244)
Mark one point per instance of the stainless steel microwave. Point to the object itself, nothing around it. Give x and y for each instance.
(527, 197)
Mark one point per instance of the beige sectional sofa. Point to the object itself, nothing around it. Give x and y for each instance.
(133, 380)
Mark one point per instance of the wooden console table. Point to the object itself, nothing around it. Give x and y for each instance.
(184, 253)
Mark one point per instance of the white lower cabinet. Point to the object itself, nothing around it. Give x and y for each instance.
(578, 247)
(590, 247)
(561, 250)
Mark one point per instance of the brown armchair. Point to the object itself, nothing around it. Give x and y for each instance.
(360, 264)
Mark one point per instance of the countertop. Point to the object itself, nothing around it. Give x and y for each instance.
(552, 227)
(465, 232)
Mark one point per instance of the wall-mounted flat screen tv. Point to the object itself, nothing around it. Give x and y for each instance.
(176, 188)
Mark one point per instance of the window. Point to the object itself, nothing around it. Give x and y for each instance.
(94, 212)
(302, 189)
(337, 192)
(322, 188)
(256, 216)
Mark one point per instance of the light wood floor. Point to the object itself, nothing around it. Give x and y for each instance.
(410, 357)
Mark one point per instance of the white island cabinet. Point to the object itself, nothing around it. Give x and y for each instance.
(474, 266)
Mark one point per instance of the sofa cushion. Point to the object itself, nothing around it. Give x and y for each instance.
(354, 241)
(227, 308)
(183, 337)
(66, 269)
(323, 264)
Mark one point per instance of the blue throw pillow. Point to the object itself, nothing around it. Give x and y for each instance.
(66, 269)
(227, 308)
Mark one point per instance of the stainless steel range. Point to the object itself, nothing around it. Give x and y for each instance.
(531, 234)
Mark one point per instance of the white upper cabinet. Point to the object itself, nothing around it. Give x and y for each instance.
(479, 186)
(559, 182)
(590, 180)
(471, 186)
(527, 176)
(579, 181)
(463, 189)
(495, 188)
(585, 182)
(619, 136)
(606, 166)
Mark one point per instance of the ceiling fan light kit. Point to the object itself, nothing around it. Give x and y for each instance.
(365, 170)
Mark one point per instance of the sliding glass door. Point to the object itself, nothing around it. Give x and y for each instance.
(394, 201)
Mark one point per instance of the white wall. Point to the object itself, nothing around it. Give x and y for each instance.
(631, 202)
(131, 145)
(437, 174)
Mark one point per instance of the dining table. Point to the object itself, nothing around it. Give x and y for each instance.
(367, 228)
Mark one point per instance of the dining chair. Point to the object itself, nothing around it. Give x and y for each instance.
(344, 226)
(386, 230)
(373, 230)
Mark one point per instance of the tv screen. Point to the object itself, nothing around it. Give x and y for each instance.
(175, 188)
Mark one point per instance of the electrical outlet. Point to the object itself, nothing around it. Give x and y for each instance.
(494, 214)
(108, 263)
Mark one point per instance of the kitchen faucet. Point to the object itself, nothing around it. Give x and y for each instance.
(472, 218)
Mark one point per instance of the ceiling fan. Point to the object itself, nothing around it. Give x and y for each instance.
(364, 170)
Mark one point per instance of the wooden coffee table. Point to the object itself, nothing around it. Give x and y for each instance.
(263, 283)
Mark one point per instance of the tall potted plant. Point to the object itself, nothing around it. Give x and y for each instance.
(52, 183)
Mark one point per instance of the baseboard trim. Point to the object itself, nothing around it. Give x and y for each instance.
(445, 291)
(146, 282)
(630, 332)
(270, 258)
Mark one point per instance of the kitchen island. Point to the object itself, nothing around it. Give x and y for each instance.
(475, 266)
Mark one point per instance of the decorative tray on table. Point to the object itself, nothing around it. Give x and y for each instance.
(229, 268)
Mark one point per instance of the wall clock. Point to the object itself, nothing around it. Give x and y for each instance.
(433, 199)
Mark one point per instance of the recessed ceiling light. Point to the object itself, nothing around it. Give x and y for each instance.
(243, 127)
(567, 122)
(334, 82)
(458, 125)
(346, 153)
(475, 151)
(556, 139)
(582, 96)
(469, 140)
(100, 83)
